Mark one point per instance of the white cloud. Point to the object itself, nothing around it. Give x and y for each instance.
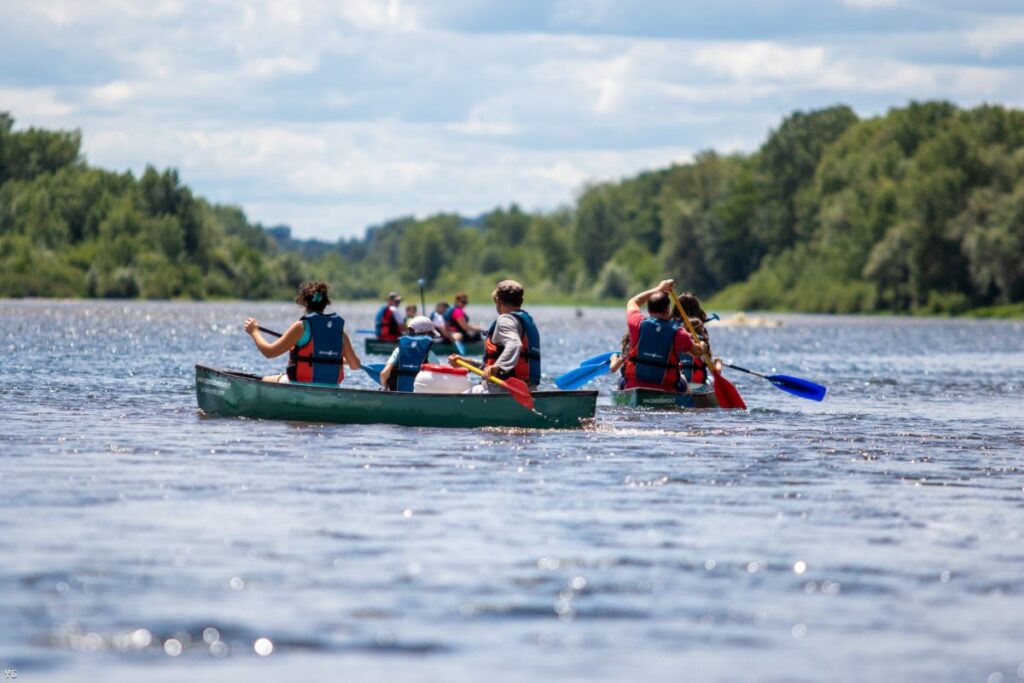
(330, 116)
(993, 36)
(34, 104)
(759, 60)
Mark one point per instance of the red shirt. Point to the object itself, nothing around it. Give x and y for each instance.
(683, 344)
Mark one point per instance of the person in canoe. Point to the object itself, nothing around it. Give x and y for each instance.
(458, 321)
(656, 343)
(439, 318)
(317, 343)
(413, 350)
(512, 344)
(389, 321)
(693, 368)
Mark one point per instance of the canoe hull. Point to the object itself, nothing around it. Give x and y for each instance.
(235, 394)
(376, 346)
(661, 400)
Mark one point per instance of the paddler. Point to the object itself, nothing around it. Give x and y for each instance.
(512, 344)
(693, 368)
(317, 343)
(656, 343)
(390, 319)
(439, 318)
(458, 321)
(413, 350)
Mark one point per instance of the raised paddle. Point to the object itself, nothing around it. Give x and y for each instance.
(517, 387)
(804, 388)
(423, 301)
(588, 370)
(725, 392)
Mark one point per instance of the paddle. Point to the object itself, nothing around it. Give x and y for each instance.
(373, 332)
(576, 378)
(725, 392)
(588, 370)
(804, 388)
(423, 301)
(373, 370)
(599, 359)
(517, 387)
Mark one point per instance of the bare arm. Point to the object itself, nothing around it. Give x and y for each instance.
(281, 345)
(640, 299)
(349, 353)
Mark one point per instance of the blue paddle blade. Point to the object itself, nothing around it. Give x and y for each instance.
(574, 379)
(460, 347)
(373, 370)
(798, 387)
(597, 360)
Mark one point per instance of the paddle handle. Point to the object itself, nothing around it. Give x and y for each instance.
(749, 372)
(477, 371)
(689, 327)
(271, 332)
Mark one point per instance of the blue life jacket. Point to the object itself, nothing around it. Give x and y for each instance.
(384, 324)
(654, 359)
(527, 368)
(317, 357)
(412, 353)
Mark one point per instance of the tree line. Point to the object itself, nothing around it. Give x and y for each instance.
(920, 210)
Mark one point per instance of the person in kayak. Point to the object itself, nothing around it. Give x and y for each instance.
(317, 342)
(512, 344)
(389, 321)
(413, 350)
(458, 321)
(656, 343)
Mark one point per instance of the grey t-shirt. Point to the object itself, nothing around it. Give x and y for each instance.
(507, 332)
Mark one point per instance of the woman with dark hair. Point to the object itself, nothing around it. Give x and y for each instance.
(317, 342)
(693, 368)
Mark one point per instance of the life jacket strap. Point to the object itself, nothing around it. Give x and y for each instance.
(652, 363)
(322, 361)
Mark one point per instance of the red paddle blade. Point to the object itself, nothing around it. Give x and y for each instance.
(520, 392)
(726, 393)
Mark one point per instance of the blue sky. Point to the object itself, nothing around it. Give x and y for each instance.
(331, 116)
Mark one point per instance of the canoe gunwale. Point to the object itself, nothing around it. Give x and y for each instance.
(233, 393)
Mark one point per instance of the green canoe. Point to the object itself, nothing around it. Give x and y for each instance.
(704, 397)
(380, 346)
(236, 394)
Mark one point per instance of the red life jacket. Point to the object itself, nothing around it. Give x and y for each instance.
(527, 367)
(385, 325)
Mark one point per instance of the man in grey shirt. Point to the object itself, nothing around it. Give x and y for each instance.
(512, 344)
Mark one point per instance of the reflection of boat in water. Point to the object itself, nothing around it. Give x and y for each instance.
(236, 394)
(701, 397)
(741, 319)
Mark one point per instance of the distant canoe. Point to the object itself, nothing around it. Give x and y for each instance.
(379, 346)
(657, 399)
(236, 394)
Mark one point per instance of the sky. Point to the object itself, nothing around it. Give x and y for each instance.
(329, 116)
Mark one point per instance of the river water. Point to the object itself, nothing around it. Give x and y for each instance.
(874, 536)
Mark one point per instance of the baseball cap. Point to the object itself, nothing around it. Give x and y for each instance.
(421, 325)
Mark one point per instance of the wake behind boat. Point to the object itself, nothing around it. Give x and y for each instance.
(237, 394)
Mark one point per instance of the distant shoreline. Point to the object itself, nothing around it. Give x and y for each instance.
(1007, 312)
